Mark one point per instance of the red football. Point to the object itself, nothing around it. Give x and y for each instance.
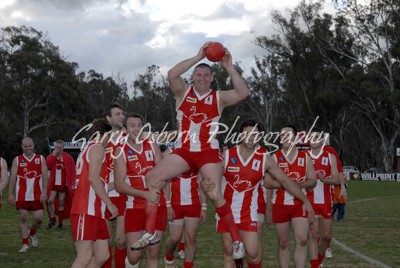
(215, 52)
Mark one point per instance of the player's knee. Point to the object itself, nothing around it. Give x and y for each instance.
(152, 252)
(24, 218)
(283, 243)
(190, 239)
(102, 258)
(327, 238)
(252, 254)
(133, 257)
(228, 252)
(302, 241)
(121, 243)
(50, 202)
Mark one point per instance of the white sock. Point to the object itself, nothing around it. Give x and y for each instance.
(129, 265)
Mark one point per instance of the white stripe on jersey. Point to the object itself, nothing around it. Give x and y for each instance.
(319, 193)
(30, 185)
(91, 200)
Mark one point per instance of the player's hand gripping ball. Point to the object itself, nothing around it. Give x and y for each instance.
(215, 52)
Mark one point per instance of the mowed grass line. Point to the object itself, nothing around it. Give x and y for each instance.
(371, 228)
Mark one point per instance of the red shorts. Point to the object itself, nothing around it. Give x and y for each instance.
(198, 159)
(246, 227)
(59, 188)
(190, 211)
(120, 203)
(285, 213)
(135, 219)
(29, 205)
(87, 227)
(323, 210)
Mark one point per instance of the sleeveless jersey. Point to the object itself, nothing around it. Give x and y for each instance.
(138, 164)
(241, 181)
(322, 193)
(262, 191)
(86, 201)
(110, 156)
(60, 178)
(185, 189)
(295, 170)
(29, 178)
(198, 118)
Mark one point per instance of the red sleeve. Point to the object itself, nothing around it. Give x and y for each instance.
(50, 161)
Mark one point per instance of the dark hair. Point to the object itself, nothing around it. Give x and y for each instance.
(251, 123)
(110, 107)
(202, 65)
(99, 125)
(292, 127)
(133, 115)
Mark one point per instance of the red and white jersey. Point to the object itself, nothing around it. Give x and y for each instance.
(296, 170)
(198, 118)
(60, 178)
(138, 163)
(118, 140)
(322, 193)
(185, 189)
(86, 201)
(29, 178)
(262, 191)
(241, 181)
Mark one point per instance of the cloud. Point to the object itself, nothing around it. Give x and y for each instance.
(126, 36)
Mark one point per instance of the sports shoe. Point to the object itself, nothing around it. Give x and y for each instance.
(321, 266)
(328, 253)
(145, 240)
(34, 240)
(169, 264)
(182, 254)
(24, 248)
(238, 250)
(60, 226)
(50, 225)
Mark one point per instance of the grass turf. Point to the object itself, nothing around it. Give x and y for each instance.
(371, 228)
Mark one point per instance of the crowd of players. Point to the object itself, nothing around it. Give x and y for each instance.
(122, 179)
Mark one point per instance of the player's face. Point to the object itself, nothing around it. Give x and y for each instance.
(287, 137)
(116, 119)
(58, 148)
(316, 141)
(27, 147)
(202, 78)
(250, 138)
(133, 127)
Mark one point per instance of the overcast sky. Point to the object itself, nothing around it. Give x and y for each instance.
(126, 36)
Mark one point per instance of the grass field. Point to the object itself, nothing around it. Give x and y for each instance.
(371, 230)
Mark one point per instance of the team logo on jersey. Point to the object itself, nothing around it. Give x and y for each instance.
(256, 165)
(281, 158)
(233, 169)
(132, 157)
(283, 164)
(149, 155)
(324, 161)
(191, 100)
(300, 162)
(37, 161)
(233, 160)
(208, 100)
(22, 164)
(130, 152)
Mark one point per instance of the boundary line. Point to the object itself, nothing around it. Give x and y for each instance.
(355, 252)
